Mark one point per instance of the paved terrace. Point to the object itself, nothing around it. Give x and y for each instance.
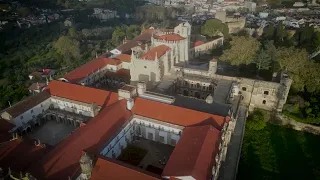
(51, 132)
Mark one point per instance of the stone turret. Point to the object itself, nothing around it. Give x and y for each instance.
(286, 82)
(86, 164)
(213, 66)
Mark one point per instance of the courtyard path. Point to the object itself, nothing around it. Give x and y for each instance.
(286, 121)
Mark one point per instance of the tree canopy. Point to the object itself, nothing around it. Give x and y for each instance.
(262, 61)
(67, 47)
(213, 27)
(257, 120)
(242, 51)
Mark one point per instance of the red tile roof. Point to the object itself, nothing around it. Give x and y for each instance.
(123, 57)
(194, 155)
(36, 86)
(46, 71)
(20, 154)
(174, 114)
(156, 51)
(150, 31)
(171, 37)
(122, 73)
(198, 43)
(106, 169)
(63, 160)
(92, 66)
(81, 93)
(5, 127)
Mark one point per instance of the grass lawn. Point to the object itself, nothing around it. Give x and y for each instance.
(132, 155)
(277, 152)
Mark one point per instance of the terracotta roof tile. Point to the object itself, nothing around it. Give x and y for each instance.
(122, 73)
(63, 160)
(150, 31)
(92, 66)
(20, 154)
(194, 155)
(106, 169)
(81, 93)
(37, 86)
(175, 115)
(123, 57)
(139, 40)
(171, 37)
(158, 51)
(198, 43)
(5, 127)
(27, 104)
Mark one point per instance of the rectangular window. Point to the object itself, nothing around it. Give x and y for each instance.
(150, 136)
(21, 117)
(266, 92)
(31, 111)
(161, 139)
(173, 142)
(139, 131)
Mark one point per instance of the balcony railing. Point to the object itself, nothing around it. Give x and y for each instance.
(67, 114)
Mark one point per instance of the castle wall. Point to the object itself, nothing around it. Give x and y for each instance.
(206, 47)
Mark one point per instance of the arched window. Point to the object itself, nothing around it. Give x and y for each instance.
(198, 85)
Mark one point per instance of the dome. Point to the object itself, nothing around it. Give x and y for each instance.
(209, 99)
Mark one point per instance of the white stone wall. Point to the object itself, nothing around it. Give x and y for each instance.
(32, 113)
(204, 48)
(126, 65)
(119, 142)
(144, 70)
(94, 76)
(78, 108)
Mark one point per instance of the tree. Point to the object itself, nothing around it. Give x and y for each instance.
(24, 11)
(72, 32)
(242, 51)
(304, 73)
(269, 31)
(67, 47)
(271, 51)
(132, 31)
(117, 36)
(214, 27)
(256, 121)
(262, 61)
(280, 33)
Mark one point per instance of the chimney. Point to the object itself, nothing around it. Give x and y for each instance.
(142, 87)
(130, 104)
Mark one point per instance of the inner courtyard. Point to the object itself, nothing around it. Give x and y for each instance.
(152, 155)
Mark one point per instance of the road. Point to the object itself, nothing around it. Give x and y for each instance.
(228, 169)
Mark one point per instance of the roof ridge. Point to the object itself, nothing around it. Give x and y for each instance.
(204, 139)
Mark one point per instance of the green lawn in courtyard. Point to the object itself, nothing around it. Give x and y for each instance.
(132, 155)
(277, 152)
